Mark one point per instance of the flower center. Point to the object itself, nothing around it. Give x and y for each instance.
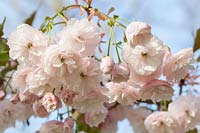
(29, 45)
(82, 75)
(144, 54)
(62, 59)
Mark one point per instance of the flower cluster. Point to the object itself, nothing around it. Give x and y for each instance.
(63, 70)
(9, 113)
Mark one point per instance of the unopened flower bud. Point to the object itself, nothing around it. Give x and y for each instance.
(51, 102)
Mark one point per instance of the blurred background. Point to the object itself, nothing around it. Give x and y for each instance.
(174, 22)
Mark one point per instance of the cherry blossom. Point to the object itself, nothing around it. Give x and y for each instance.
(51, 102)
(87, 77)
(59, 61)
(187, 110)
(123, 93)
(27, 44)
(52, 127)
(156, 90)
(138, 33)
(121, 72)
(180, 64)
(145, 59)
(93, 119)
(162, 122)
(91, 102)
(137, 117)
(39, 109)
(81, 36)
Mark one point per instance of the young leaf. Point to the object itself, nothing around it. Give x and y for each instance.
(30, 19)
(1, 27)
(110, 10)
(3, 45)
(4, 56)
(197, 41)
(115, 17)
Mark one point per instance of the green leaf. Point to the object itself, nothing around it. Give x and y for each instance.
(30, 19)
(115, 17)
(121, 25)
(1, 27)
(3, 45)
(4, 56)
(192, 131)
(197, 41)
(110, 10)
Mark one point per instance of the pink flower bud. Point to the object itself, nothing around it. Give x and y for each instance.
(14, 99)
(2, 94)
(13, 63)
(39, 109)
(107, 64)
(52, 127)
(69, 124)
(51, 102)
(28, 97)
(68, 96)
(121, 72)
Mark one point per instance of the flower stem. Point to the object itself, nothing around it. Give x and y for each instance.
(109, 42)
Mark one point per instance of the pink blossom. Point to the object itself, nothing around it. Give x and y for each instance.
(156, 90)
(68, 125)
(27, 45)
(120, 72)
(137, 117)
(68, 96)
(2, 94)
(81, 36)
(178, 65)
(9, 113)
(162, 122)
(123, 93)
(117, 113)
(38, 82)
(86, 78)
(52, 127)
(137, 32)
(58, 62)
(18, 81)
(145, 59)
(14, 99)
(51, 102)
(90, 102)
(39, 109)
(27, 97)
(22, 111)
(93, 119)
(107, 64)
(142, 79)
(187, 110)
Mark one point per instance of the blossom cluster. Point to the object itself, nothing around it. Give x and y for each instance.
(62, 70)
(9, 113)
